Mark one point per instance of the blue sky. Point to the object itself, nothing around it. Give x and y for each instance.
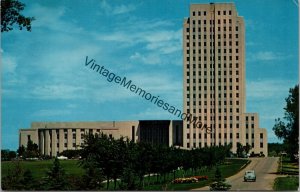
(44, 77)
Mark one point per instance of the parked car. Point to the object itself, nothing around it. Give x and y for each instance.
(250, 176)
(62, 157)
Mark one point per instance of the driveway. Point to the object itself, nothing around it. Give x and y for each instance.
(265, 169)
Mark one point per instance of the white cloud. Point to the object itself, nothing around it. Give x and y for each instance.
(9, 64)
(267, 89)
(53, 91)
(154, 113)
(120, 9)
(51, 113)
(266, 56)
(147, 59)
(51, 18)
(123, 9)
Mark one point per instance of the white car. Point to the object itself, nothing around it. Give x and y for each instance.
(62, 158)
(250, 176)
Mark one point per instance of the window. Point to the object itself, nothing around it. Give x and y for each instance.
(188, 145)
(188, 136)
(193, 13)
(261, 145)
(229, 12)
(261, 135)
(219, 12)
(237, 135)
(204, 13)
(65, 144)
(224, 12)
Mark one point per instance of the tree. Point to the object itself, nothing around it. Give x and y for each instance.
(288, 131)
(21, 151)
(10, 15)
(70, 153)
(56, 177)
(92, 179)
(13, 180)
(239, 150)
(7, 155)
(32, 149)
(219, 182)
(247, 148)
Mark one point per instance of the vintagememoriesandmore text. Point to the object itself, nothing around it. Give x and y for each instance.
(128, 84)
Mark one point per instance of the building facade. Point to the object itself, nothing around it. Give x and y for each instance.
(214, 79)
(214, 93)
(55, 137)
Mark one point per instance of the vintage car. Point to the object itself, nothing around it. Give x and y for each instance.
(250, 175)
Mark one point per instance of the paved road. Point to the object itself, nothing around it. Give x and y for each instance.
(265, 169)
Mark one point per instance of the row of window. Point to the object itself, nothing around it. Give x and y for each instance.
(211, 103)
(211, 96)
(212, 80)
(212, 72)
(213, 110)
(211, 44)
(212, 136)
(212, 88)
(212, 29)
(211, 22)
(218, 12)
(219, 51)
(212, 51)
(205, 144)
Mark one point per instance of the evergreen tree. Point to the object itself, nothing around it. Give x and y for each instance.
(56, 177)
(219, 182)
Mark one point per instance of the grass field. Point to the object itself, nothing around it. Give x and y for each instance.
(289, 183)
(71, 167)
(289, 168)
(231, 167)
(39, 168)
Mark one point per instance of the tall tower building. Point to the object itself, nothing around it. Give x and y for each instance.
(214, 80)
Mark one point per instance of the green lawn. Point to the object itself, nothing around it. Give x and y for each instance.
(39, 168)
(288, 167)
(289, 183)
(231, 167)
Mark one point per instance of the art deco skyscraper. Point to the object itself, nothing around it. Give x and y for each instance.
(214, 79)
